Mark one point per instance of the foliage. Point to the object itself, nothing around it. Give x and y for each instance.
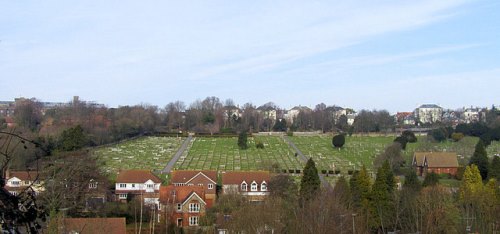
(310, 183)
(280, 125)
(283, 186)
(494, 171)
(472, 184)
(480, 159)
(382, 203)
(438, 211)
(431, 179)
(338, 141)
(393, 155)
(360, 187)
(242, 140)
(28, 113)
(343, 192)
(402, 141)
(438, 135)
(457, 136)
(259, 145)
(409, 135)
(73, 139)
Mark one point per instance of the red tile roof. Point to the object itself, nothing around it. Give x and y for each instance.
(94, 225)
(436, 159)
(183, 176)
(236, 177)
(167, 194)
(136, 176)
(24, 175)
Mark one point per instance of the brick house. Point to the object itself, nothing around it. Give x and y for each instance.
(132, 184)
(252, 184)
(92, 225)
(206, 179)
(437, 162)
(183, 205)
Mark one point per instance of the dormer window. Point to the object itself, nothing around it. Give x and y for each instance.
(253, 186)
(263, 186)
(244, 186)
(210, 186)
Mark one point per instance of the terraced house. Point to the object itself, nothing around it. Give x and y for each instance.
(205, 178)
(251, 184)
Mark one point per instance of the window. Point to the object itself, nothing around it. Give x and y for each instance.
(16, 183)
(193, 221)
(123, 185)
(263, 186)
(149, 186)
(243, 186)
(194, 207)
(200, 184)
(93, 185)
(210, 186)
(122, 196)
(254, 186)
(133, 185)
(179, 206)
(14, 193)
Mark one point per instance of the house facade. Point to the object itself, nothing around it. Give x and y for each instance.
(294, 112)
(428, 113)
(251, 184)
(200, 178)
(437, 162)
(183, 206)
(19, 181)
(138, 184)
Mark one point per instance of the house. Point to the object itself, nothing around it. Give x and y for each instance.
(405, 118)
(428, 113)
(132, 184)
(206, 179)
(96, 193)
(92, 226)
(294, 112)
(183, 205)
(18, 181)
(252, 184)
(437, 162)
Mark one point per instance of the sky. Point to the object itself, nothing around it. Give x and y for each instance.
(392, 55)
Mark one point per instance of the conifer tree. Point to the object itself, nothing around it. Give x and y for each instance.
(431, 179)
(480, 159)
(382, 204)
(472, 184)
(242, 140)
(494, 171)
(310, 183)
(343, 192)
(360, 187)
(411, 181)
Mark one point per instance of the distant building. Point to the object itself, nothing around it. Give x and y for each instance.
(437, 162)
(473, 114)
(291, 114)
(19, 181)
(405, 118)
(428, 113)
(134, 184)
(91, 225)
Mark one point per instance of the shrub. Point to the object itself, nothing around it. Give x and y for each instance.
(259, 145)
(338, 141)
(457, 136)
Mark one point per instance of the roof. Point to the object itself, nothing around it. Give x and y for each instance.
(94, 225)
(183, 176)
(136, 176)
(303, 108)
(179, 194)
(430, 106)
(236, 177)
(24, 175)
(436, 159)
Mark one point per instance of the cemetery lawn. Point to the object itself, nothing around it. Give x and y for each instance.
(222, 153)
(146, 153)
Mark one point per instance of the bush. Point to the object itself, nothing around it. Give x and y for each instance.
(289, 133)
(338, 141)
(410, 136)
(438, 135)
(457, 136)
(259, 145)
(242, 140)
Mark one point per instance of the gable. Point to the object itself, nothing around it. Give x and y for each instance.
(199, 178)
(194, 196)
(435, 159)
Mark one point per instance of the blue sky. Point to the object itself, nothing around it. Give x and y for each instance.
(392, 55)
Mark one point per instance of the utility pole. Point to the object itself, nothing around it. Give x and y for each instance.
(342, 223)
(353, 227)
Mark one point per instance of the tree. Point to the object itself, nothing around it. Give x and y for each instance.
(280, 125)
(480, 159)
(360, 188)
(430, 179)
(382, 203)
(437, 211)
(402, 141)
(73, 139)
(457, 136)
(409, 135)
(28, 113)
(338, 141)
(393, 155)
(282, 186)
(242, 140)
(310, 183)
(343, 192)
(494, 171)
(438, 135)
(411, 181)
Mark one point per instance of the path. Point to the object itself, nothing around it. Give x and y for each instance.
(177, 155)
(304, 159)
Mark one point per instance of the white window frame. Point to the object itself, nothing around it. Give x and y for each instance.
(92, 185)
(194, 207)
(122, 185)
(150, 186)
(15, 183)
(179, 206)
(254, 186)
(210, 186)
(263, 186)
(122, 196)
(193, 221)
(244, 186)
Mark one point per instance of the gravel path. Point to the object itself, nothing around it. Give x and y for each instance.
(177, 155)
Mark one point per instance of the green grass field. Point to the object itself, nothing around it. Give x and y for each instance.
(223, 154)
(148, 153)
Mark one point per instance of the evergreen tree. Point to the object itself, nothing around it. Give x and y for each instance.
(472, 184)
(480, 159)
(494, 171)
(338, 141)
(343, 192)
(310, 183)
(73, 139)
(242, 140)
(411, 181)
(431, 179)
(382, 202)
(360, 188)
